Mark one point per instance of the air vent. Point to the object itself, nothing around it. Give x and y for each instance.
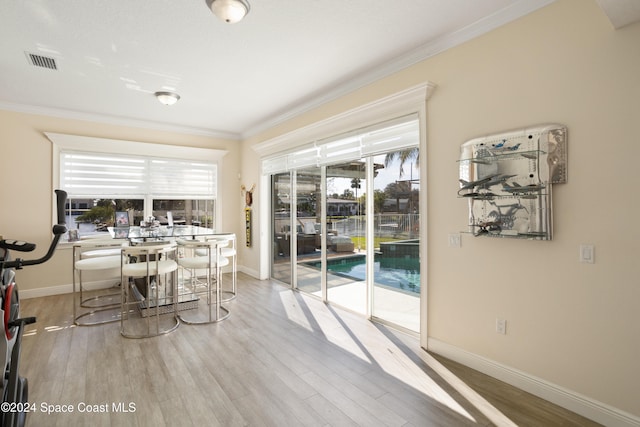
(42, 61)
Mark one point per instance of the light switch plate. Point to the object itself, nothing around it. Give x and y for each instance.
(454, 240)
(587, 254)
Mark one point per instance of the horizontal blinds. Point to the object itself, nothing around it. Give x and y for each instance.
(274, 165)
(109, 175)
(341, 150)
(304, 158)
(182, 178)
(94, 174)
(395, 135)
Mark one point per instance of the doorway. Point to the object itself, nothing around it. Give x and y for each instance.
(347, 228)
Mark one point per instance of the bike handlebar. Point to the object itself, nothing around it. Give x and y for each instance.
(58, 230)
(61, 197)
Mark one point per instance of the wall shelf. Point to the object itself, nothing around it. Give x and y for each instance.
(507, 179)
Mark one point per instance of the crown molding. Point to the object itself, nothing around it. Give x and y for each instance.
(510, 13)
(515, 10)
(117, 121)
(621, 12)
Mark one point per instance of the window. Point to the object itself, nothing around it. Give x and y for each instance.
(392, 135)
(101, 177)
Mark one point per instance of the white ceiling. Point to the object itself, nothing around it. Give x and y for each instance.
(234, 79)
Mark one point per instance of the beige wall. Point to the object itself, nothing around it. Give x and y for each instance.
(573, 325)
(26, 189)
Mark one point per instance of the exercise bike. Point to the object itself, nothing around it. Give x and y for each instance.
(15, 390)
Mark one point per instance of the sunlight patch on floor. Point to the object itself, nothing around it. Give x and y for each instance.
(490, 411)
(56, 328)
(372, 346)
(293, 310)
(401, 367)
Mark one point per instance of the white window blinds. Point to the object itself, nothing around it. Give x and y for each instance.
(394, 135)
(111, 175)
(182, 178)
(341, 149)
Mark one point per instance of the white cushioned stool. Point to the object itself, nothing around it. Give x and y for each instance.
(205, 256)
(149, 281)
(102, 305)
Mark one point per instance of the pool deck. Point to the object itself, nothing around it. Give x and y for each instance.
(394, 306)
(391, 305)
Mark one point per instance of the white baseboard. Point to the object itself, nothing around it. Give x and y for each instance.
(249, 271)
(102, 284)
(66, 289)
(575, 402)
(45, 292)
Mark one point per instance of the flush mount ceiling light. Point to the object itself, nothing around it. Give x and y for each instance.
(230, 11)
(167, 98)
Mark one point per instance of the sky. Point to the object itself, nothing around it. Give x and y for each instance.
(385, 177)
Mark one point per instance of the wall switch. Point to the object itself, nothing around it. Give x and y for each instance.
(501, 326)
(587, 254)
(454, 240)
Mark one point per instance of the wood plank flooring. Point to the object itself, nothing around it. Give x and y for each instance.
(281, 359)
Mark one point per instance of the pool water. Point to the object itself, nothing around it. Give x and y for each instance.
(400, 273)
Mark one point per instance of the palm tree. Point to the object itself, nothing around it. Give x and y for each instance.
(404, 156)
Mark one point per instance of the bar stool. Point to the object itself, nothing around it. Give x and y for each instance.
(95, 255)
(229, 251)
(149, 280)
(204, 255)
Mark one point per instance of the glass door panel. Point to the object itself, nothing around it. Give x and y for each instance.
(396, 287)
(281, 220)
(184, 212)
(306, 230)
(346, 235)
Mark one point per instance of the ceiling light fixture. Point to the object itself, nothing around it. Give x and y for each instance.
(230, 11)
(167, 98)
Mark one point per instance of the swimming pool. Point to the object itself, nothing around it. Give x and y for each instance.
(401, 273)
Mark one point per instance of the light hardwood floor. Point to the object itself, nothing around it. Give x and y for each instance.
(281, 359)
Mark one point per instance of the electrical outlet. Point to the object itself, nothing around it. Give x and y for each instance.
(501, 326)
(454, 240)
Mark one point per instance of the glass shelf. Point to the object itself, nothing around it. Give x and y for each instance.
(502, 235)
(507, 180)
(509, 155)
(504, 196)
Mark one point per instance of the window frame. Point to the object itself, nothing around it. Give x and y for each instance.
(65, 142)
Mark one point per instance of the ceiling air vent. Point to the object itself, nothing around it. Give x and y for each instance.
(42, 61)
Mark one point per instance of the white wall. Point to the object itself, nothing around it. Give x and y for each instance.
(571, 325)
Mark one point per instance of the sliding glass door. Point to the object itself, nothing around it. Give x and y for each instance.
(346, 221)
(346, 235)
(281, 225)
(396, 277)
(306, 229)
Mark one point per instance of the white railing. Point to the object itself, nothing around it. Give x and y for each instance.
(385, 225)
(400, 226)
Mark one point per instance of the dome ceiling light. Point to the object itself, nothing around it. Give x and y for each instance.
(167, 98)
(230, 11)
